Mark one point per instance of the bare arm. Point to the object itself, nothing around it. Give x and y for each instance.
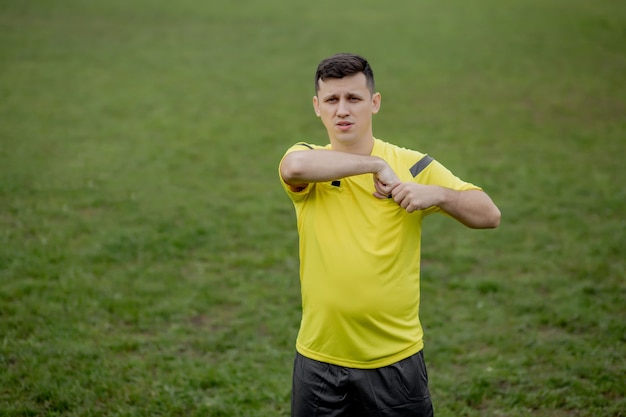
(300, 168)
(473, 208)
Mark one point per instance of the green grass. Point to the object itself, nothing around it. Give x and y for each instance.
(148, 256)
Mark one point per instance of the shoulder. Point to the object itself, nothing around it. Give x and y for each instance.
(392, 150)
(303, 146)
(398, 156)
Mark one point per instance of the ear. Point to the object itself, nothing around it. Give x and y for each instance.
(316, 106)
(376, 99)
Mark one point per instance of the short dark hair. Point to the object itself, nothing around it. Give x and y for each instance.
(344, 64)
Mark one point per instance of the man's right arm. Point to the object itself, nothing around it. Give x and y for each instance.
(300, 168)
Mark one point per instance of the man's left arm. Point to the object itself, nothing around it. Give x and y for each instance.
(473, 208)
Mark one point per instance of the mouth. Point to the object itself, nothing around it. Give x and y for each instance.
(344, 125)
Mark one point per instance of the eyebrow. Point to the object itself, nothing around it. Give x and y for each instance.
(335, 95)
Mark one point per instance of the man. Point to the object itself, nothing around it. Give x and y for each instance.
(359, 205)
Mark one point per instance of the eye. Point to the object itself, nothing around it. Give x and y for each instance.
(331, 100)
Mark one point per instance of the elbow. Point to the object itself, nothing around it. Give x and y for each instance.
(488, 219)
(490, 214)
(292, 168)
(495, 219)
(492, 219)
(483, 213)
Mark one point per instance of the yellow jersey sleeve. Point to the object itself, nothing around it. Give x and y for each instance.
(296, 195)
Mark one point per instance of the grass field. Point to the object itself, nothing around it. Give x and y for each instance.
(148, 255)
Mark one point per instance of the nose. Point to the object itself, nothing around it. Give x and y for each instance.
(342, 109)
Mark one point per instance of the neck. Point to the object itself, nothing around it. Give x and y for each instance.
(360, 147)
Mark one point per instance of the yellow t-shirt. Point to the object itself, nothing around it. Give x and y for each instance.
(360, 263)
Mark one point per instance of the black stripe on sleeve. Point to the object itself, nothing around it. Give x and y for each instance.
(304, 144)
(421, 165)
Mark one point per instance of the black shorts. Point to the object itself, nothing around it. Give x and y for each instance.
(324, 390)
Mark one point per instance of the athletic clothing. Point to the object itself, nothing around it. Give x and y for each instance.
(322, 389)
(360, 263)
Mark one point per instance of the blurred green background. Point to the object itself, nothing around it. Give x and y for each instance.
(148, 255)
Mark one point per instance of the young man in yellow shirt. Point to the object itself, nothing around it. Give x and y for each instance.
(359, 203)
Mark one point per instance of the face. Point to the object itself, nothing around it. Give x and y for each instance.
(346, 106)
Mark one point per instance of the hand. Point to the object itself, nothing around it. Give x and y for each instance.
(411, 196)
(385, 180)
